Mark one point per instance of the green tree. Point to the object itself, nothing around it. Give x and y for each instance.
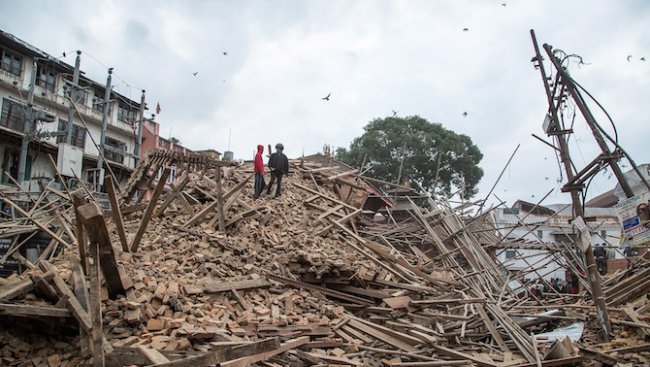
(420, 149)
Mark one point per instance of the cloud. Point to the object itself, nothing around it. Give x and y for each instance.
(373, 56)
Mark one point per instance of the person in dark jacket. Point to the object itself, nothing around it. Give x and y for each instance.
(279, 166)
(258, 166)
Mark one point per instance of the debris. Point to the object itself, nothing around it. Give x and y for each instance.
(213, 277)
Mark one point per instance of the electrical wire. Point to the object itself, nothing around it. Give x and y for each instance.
(613, 140)
(611, 121)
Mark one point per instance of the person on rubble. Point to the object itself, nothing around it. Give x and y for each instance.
(279, 166)
(258, 167)
(600, 253)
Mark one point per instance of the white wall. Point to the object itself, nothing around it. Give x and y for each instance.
(58, 104)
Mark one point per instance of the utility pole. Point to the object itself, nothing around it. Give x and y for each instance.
(138, 142)
(27, 125)
(74, 96)
(558, 131)
(107, 105)
(608, 156)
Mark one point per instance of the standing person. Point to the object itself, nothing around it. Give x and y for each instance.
(279, 166)
(258, 165)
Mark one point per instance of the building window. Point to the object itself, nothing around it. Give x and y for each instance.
(514, 211)
(126, 113)
(78, 134)
(112, 154)
(98, 103)
(511, 254)
(46, 77)
(11, 62)
(540, 234)
(172, 174)
(13, 115)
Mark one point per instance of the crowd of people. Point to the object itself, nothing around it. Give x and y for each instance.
(538, 287)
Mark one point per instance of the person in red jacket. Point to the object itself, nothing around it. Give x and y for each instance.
(258, 165)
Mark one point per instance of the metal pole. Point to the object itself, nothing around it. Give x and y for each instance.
(74, 96)
(27, 125)
(107, 106)
(594, 277)
(138, 142)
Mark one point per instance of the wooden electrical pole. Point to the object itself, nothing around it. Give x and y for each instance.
(558, 131)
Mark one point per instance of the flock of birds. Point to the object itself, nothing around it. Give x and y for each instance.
(465, 114)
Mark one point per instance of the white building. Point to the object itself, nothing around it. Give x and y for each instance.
(545, 229)
(52, 76)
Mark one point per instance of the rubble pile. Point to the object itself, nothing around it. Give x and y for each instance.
(202, 275)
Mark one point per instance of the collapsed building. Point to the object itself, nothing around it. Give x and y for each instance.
(203, 275)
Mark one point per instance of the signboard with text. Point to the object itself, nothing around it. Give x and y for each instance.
(630, 214)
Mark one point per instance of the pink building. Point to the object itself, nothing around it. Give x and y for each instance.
(151, 139)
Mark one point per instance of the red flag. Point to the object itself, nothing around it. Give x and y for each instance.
(158, 108)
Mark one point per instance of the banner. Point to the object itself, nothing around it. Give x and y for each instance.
(632, 213)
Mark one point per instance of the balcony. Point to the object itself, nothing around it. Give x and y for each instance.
(9, 78)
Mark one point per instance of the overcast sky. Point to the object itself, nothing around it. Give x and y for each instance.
(373, 56)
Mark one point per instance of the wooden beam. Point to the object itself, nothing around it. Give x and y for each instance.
(176, 192)
(95, 305)
(78, 200)
(288, 345)
(225, 354)
(460, 355)
(220, 211)
(236, 285)
(95, 226)
(150, 208)
(72, 302)
(15, 289)
(23, 310)
(341, 175)
(115, 212)
(152, 355)
(491, 327)
(208, 208)
(36, 222)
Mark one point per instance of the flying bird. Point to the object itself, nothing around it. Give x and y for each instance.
(642, 59)
(64, 54)
(629, 58)
(503, 4)
(394, 113)
(465, 29)
(465, 114)
(225, 53)
(327, 98)
(195, 73)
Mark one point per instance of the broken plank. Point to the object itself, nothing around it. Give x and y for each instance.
(15, 289)
(22, 310)
(78, 201)
(95, 226)
(235, 285)
(72, 302)
(288, 345)
(150, 208)
(115, 212)
(385, 338)
(152, 355)
(233, 353)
